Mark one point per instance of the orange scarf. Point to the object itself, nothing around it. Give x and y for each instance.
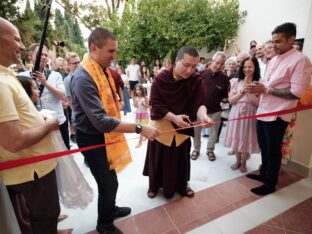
(118, 154)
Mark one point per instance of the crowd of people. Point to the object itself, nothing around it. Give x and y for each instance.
(84, 99)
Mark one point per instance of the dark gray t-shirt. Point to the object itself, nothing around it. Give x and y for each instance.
(89, 115)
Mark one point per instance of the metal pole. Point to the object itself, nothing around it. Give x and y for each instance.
(43, 35)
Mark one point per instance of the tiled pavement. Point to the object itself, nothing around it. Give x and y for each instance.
(220, 192)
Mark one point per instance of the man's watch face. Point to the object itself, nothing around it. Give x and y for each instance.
(138, 128)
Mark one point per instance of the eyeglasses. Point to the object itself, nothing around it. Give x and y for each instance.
(76, 63)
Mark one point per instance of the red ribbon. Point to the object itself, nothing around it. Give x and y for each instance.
(25, 161)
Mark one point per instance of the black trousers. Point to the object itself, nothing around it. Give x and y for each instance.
(270, 138)
(65, 134)
(106, 179)
(41, 196)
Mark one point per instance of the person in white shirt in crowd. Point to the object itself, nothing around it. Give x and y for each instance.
(133, 73)
(52, 90)
(201, 65)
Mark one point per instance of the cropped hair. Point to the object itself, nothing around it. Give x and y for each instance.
(187, 50)
(70, 55)
(256, 75)
(289, 29)
(99, 37)
(217, 54)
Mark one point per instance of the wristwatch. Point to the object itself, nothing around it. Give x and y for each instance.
(138, 128)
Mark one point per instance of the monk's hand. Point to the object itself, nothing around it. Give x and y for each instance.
(122, 104)
(182, 121)
(206, 121)
(149, 132)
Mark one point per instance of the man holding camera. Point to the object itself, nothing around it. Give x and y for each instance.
(51, 86)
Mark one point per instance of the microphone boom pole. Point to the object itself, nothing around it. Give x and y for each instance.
(43, 35)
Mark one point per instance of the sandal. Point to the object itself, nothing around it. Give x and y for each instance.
(151, 194)
(211, 156)
(189, 192)
(194, 155)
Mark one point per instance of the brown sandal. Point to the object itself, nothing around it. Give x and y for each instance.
(189, 192)
(151, 194)
(211, 156)
(194, 155)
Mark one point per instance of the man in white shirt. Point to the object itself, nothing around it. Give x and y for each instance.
(133, 71)
(52, 90)
(201, 65)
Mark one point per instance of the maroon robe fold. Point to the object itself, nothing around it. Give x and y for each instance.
(169, 167)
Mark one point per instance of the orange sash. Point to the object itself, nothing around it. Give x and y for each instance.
(118, 154)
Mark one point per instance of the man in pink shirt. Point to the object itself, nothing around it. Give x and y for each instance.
(286, 78)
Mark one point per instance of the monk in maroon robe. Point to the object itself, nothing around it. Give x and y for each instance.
(177, 100)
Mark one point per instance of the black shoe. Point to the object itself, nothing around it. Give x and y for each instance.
(121, 211)
(205, 135)
(263, 190)
(110, 229)
(73, 138)
(255, 177)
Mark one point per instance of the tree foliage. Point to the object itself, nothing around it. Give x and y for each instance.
(9, 10)
(147, 28)
(65, 27)
(158, 28)
(68, 30)
(29, 25)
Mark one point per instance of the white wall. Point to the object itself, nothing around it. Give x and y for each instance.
(264, 15)
(307, 48)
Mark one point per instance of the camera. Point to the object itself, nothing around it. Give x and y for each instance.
(59, 43)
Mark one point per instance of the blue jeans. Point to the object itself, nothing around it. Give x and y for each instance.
(270, 138)
(106, 179)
